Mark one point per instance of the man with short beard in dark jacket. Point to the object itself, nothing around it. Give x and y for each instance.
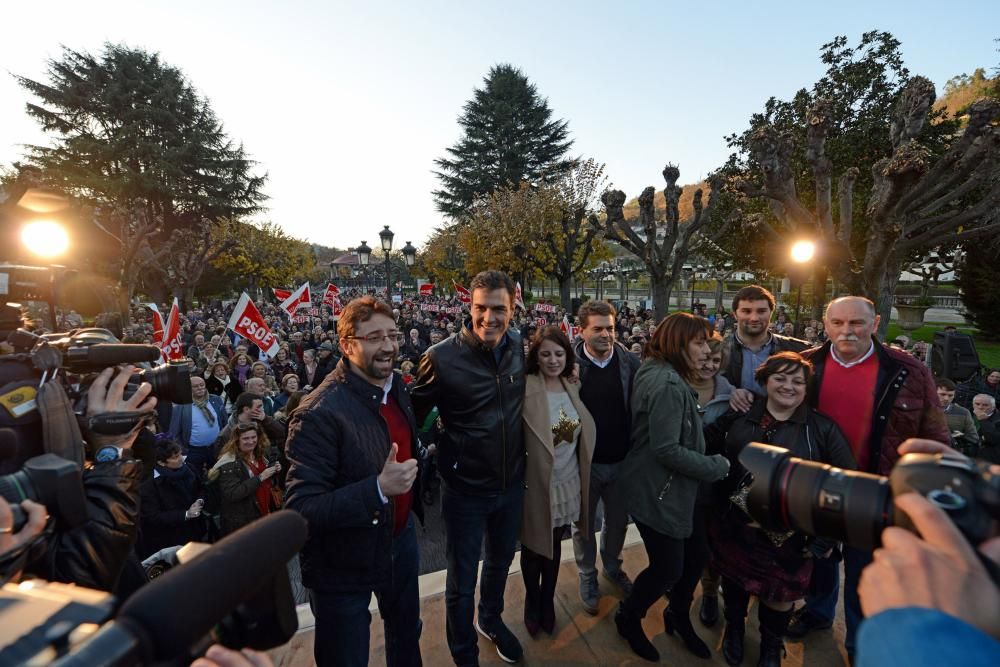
(353, 449)
(476, 380)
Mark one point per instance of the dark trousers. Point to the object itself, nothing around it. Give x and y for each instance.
(695, 559)
(824, 589)
(467, 520)
(540, 575)
(200, 458)
(342, 619)
(666, 562)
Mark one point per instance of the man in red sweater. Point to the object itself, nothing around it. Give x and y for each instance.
(879, 397)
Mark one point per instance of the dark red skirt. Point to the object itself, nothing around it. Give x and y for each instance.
(748, 557)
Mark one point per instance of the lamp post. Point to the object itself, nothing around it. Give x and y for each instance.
(802, 252)
(386, 237)
(364, 257)
(409, 257)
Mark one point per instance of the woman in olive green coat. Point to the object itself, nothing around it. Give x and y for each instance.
(665, 465)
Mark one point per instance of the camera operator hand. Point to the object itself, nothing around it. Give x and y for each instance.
(108, 395)
(940, 571)
(37, 517)
(218, 656)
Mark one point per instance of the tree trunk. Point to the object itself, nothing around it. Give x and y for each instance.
(565, 284)
(661, 286)
(820, 275)
(185, 297)
(886, 294)
(720, 285)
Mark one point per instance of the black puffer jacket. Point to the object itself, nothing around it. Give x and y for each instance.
(93, 554)
(481, 451)
(337, 445)
(807, 435)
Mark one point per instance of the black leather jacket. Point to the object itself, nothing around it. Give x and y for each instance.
(733, 351)
(481, 451)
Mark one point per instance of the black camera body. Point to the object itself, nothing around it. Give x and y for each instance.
(51, 481)
(855, 507)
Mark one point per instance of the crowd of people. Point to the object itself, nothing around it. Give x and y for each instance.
(530, 433)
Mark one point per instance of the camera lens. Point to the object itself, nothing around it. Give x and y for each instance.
(816, 498)
(171, 382)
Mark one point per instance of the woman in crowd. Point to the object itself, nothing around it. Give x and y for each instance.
(309, 371)
(260, 370)
(775, 567)
(171, 501)
(559, 439)
(289, 385)
(665, 465)
(220, 383)
(239, 369)
(284, 363)
(244, 477)
(713, 391)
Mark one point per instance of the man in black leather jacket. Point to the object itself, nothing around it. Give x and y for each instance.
(476, 380)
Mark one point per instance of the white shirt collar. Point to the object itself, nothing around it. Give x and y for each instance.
(600, 363)
(849, 364)
(386, 387)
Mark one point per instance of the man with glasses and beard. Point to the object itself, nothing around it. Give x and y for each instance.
(353, 449)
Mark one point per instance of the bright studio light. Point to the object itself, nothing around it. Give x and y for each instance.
(45, 238)
(803, 251)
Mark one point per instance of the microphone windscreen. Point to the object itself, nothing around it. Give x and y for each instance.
(112, 354)
(180, 607)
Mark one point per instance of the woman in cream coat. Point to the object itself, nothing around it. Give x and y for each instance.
(559, 438)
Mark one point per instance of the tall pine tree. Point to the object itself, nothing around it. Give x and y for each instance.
(509, 137)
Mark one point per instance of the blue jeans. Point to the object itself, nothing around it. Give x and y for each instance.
(342, 619)
(824, 589)
(466, 519)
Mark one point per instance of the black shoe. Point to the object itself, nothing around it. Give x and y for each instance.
(630, 627)
(547, 619)
(732, 643)
(773, 624)
(508, 648)
(709, 612)
(803, 622)
(682, 625)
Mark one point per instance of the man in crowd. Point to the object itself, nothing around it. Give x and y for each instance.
(353, 449)
(258, 387)
(988, 383)
(476, 380)
(984, 409)
(196, 426)
(327, 358)
(964, 436)
(879, 397)
(248, 408)
(606, 372)
(414, 347)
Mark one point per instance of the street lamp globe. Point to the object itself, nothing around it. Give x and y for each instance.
(803, 251)
(409, 254)
(364, 253)
(386, 236)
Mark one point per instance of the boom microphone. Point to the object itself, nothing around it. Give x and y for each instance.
(166, 617)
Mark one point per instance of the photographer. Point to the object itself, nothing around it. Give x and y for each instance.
(94, 553)
(929, 601)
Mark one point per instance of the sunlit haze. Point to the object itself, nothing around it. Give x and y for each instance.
(346, 105)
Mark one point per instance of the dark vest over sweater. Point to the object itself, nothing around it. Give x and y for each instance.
(604, 397)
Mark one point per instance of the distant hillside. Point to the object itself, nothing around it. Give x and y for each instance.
(685, 206)
(962, 90)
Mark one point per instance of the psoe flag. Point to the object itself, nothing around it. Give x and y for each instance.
(300, 298)
(249, 323)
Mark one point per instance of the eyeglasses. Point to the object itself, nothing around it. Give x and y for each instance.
(375, 338)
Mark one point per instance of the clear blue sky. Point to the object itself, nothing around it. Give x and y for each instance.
(346, 105)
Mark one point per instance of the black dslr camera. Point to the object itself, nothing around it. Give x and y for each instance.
(855, 507)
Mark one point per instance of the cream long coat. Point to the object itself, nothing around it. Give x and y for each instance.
(536, 526)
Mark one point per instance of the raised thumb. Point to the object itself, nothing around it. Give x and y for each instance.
(392, 453)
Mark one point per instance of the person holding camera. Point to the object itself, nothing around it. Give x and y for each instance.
(878, 397)
(774, 566)
(928, 599)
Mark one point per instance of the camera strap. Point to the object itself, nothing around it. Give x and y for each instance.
(60, 430)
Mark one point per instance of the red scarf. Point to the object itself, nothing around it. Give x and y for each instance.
(263, 493)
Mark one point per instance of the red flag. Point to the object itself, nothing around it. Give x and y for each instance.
(564, 325)
(518, 299)
(249, 323)
(464, 295)
(337, 308)
(157, 324)
(281, 294)
(170, 341)
(298, 299)
(427, 289)
(332, 294)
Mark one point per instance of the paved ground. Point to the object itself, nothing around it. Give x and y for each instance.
(579, 639)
